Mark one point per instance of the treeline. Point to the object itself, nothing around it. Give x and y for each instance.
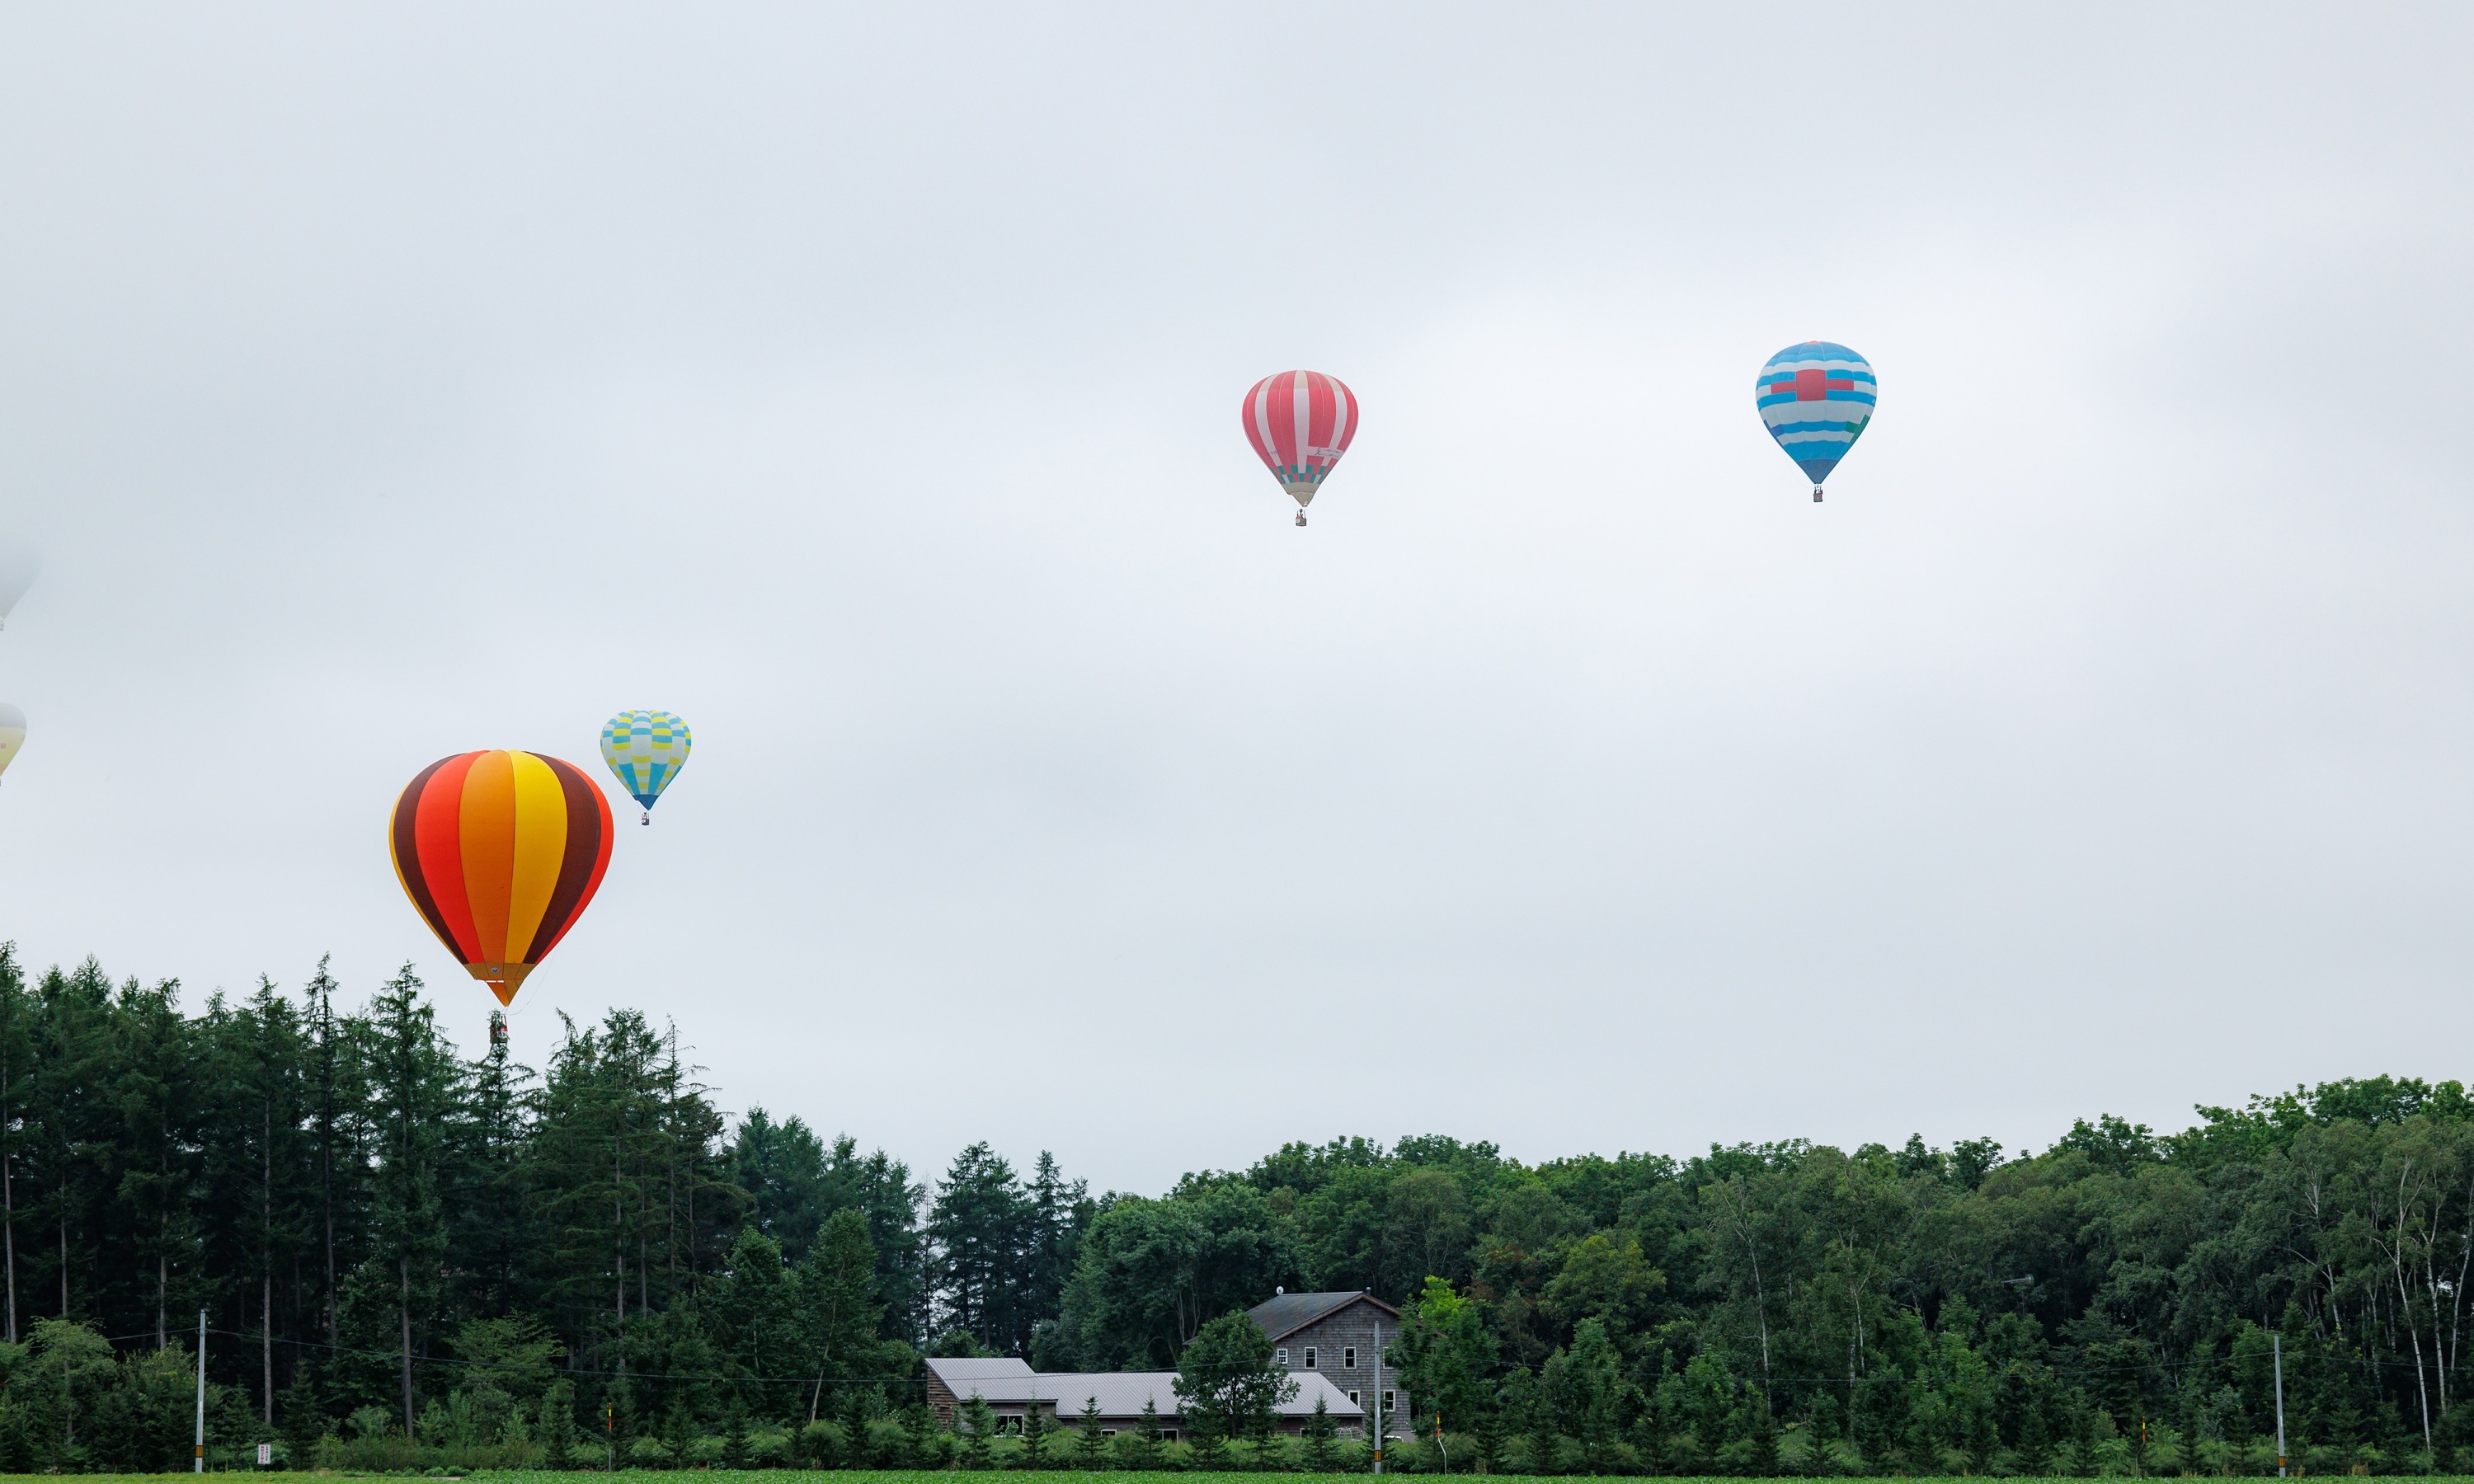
(408, 1256)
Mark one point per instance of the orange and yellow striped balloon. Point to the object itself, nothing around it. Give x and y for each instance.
(500, 852)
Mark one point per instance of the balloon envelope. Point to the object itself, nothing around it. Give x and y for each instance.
(646, 750)
(1815, 398)
(13, 734)
(500, 852)
(19, 566)
(1299, 422)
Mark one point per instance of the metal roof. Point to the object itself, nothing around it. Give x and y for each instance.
(1287, 1313)
(950, 1369)
(1120, 1393)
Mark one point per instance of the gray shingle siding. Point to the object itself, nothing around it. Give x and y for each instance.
(1332, 1325)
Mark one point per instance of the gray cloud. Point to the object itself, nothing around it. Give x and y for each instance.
(861, 385)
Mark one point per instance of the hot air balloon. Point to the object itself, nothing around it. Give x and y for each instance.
(500, 852)
(646, 749)
(12, 733)
(1299, 422)
(19, 565)
(1816, 399)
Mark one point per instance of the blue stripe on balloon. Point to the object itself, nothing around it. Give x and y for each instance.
(1781, 429)
(1784, 391)
(1817, 350)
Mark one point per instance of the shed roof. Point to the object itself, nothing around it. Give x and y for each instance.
(1122, 1393)
(1285, 1314)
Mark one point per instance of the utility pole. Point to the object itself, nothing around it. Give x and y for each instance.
(1377, 1395)
(197, 1463)
(2276, 1349)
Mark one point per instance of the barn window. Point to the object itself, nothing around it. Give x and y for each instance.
(1349, 1357)
(1281, 1355)
(1310, 1357)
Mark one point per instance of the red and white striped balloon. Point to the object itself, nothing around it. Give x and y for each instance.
(1299, 422)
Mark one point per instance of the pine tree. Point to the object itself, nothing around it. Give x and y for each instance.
(68, 1092)
(1090, 1444)
(255, 1071)
(880, 1187)
(335, 1126)
(679, 1432)
(412, 1091)
(980, 1226)
(1147, 1436)
(620, 1422)
(489, 1219)
(1058, 1213)
(16, 1048)
(976, 1425)
(557, 1428)
(156, 1056)
(1321, 1453)
(1035, 1435)
(781, 1168)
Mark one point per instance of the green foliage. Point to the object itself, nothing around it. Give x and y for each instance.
(1446, 1354)
(1320, 1449)
(344, 1191)
(1145, 1451)
(1035, 1437)
(975, 1426)
(1090, 1442)
(557, 1426)
(679, 1433)
(1150, 1272)
(1229, 1386)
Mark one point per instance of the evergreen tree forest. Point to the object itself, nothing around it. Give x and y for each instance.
(409, 1256)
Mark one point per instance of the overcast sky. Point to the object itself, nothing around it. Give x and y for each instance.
(862, 383)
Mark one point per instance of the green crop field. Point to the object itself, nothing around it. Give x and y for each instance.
(926, 1476)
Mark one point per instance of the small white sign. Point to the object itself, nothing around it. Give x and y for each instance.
(265, 1454)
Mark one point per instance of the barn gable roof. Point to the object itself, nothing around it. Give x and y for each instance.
(1285, 1314)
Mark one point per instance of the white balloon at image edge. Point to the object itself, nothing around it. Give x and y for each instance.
(21, 563)
(12, 733)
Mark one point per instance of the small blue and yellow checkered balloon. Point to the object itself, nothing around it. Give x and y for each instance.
(646, 749)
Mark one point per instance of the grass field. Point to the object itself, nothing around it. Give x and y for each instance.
(925, 1477)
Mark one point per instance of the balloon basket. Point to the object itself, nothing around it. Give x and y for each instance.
(648, 819)
(1302, 517)
(1816, 494)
